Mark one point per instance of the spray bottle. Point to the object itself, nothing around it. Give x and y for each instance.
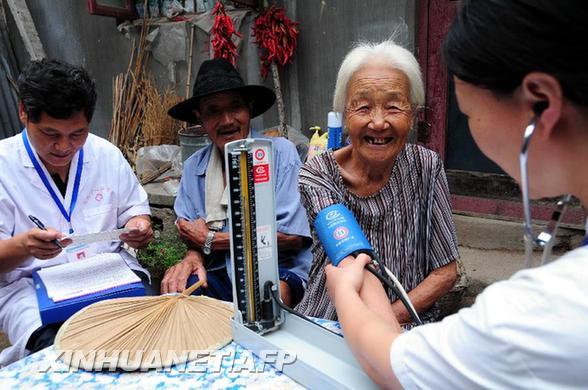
(335, 126)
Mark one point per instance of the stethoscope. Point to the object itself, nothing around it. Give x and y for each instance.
(546, 238)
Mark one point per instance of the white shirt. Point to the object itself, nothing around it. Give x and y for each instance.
(530, 331)
(109, 195)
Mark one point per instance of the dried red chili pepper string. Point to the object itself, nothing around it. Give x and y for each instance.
(276, 35)
(223, 30)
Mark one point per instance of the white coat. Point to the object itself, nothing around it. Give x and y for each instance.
(109, 195)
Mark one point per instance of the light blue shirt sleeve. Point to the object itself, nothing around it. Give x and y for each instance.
(290, 214)
(189, 203)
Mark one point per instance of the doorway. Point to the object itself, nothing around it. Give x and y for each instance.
(477, 185)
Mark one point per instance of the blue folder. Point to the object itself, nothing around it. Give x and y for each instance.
(52, 312)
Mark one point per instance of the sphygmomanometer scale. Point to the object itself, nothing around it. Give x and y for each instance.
(260, 324)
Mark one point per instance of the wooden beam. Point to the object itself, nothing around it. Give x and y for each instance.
(26, 28)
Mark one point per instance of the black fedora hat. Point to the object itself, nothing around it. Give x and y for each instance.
(219, 75)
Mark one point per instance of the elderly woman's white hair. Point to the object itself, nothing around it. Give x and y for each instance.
(386, 52)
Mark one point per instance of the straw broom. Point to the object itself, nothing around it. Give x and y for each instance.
(139, 109)
(157, 127)
(129, 101)
(145, 332)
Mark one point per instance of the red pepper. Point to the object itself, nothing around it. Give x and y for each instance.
(276, 35)
(222, 32)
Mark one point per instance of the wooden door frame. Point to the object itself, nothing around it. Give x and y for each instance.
(434, 18)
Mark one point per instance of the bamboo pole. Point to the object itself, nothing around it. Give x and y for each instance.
(189, 77)
(279, 99)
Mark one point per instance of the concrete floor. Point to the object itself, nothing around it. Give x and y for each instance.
(493, 250)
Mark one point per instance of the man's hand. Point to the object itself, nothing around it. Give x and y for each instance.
(176, 277)
(348, 276)
(38, 243)
(194, 233)
(141, 232)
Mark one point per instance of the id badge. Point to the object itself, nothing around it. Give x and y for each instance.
(76, 252)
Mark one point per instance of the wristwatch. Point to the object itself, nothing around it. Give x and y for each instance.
(207, 248)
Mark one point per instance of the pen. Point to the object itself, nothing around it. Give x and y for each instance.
(40, 225)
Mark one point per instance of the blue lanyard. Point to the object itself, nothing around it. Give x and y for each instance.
(74, 196)
(585, 241)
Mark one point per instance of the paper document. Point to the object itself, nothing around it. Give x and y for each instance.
(84, 277)
(90, 238)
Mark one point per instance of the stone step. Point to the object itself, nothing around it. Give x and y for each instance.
(493, 234)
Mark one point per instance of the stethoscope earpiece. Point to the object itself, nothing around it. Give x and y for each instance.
(539, 107)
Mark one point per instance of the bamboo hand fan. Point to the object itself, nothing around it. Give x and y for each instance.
(144, 332)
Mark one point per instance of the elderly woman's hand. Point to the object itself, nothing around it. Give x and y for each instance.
(347, 277)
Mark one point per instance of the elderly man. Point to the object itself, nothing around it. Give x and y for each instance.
(224, 105)
(72, 181)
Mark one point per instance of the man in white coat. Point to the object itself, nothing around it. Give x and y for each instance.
(70, 180)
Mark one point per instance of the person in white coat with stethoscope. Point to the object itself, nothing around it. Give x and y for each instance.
(69, 181)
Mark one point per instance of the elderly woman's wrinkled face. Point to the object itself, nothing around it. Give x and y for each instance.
(378, 113)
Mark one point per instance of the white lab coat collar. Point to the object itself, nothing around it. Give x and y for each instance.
(33, 177)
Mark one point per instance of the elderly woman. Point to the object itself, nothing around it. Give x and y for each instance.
(397, 191)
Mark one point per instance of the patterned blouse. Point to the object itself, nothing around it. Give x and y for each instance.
(408, 221)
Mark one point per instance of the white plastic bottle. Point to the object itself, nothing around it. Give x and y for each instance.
(335, 126)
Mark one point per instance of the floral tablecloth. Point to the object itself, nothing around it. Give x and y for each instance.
(232, 367)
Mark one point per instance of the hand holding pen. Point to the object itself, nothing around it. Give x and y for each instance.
(43, 243)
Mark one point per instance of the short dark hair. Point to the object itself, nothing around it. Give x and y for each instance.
(56, 88)
(495, 43)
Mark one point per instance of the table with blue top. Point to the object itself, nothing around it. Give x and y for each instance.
(232, 367)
